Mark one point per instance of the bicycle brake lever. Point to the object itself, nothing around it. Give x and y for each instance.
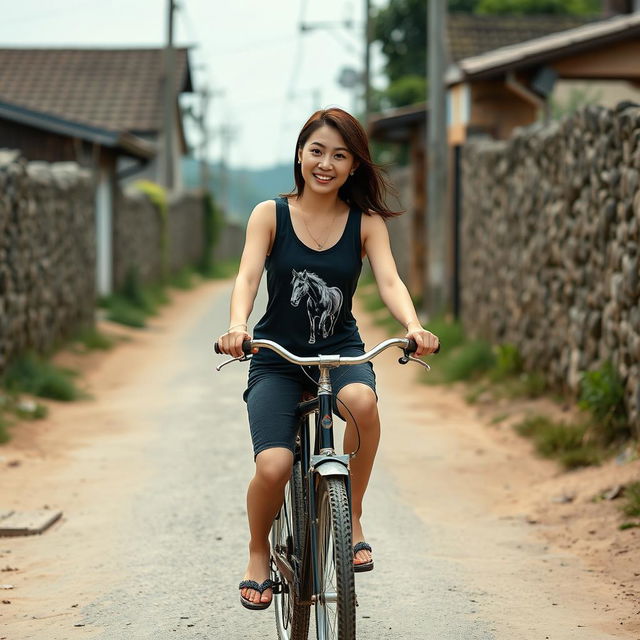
(406, 357)
(240, 359)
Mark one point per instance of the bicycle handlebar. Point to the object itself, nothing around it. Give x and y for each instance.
(407, 344)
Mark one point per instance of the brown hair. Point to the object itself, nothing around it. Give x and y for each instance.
(367, 187)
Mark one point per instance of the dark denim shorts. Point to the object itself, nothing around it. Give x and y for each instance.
(273, 391)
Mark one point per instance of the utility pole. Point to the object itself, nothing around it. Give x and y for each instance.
(169, 100)
(367, 60)
(437, 240)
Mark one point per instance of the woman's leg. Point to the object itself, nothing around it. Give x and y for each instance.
(361, 401)
(264, 497)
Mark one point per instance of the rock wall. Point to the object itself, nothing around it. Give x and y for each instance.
(138, 235)
(47, 253)
(550, 245)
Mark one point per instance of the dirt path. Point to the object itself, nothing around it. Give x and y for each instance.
(151, 476)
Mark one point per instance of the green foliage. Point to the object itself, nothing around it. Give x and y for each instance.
(122, 311)
(183, 279)
(31, 374)
(4, 433)
(631, 507)
(401, 29)
(524, 7)
(224, 269)
(213, 222)
(91, 339)
(567, 443)
(508, 362)
(602, 395)
(449, 331)
(467, 361)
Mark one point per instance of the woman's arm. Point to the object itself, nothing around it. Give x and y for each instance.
(260, 230)
(392, 290)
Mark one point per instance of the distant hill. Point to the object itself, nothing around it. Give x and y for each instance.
(247, 187)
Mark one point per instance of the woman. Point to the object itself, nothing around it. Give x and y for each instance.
(312, 242)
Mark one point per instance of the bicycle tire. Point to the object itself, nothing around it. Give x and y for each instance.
(336, 602)
(287, 537)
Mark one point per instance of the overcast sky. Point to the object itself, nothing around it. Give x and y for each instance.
(273, 77)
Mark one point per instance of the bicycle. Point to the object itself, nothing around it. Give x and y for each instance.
(311, 547)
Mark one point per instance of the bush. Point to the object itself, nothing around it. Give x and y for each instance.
(92, 339)
(632, 500)
(30, 374)
(508, 363)
(183, 279)
(602, 395)
(467, 361)
(565, 442)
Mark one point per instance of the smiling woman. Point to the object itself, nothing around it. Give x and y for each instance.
(312, 242)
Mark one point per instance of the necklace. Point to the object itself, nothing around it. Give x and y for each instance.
(320, 245)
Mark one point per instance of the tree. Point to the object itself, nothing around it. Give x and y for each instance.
(400, 27)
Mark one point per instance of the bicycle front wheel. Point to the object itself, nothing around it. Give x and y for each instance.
(287, 538)
(336, 600)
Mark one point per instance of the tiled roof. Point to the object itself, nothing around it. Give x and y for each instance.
(113, 89)
(540, 50)
(470, 35)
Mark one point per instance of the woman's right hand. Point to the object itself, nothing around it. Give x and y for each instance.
(231, 342)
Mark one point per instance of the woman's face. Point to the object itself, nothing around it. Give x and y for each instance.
(325, 161)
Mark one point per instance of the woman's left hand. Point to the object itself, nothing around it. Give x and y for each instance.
(427, 342)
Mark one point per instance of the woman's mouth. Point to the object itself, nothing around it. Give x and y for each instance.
(322, 179)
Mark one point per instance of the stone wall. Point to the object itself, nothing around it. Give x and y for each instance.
(47, 253)
(138, 233)
(550, 238)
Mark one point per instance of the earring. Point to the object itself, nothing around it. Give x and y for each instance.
(351, 173)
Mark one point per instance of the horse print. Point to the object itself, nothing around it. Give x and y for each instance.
(323, 302)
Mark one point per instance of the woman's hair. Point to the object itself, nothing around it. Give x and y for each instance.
(366, 188)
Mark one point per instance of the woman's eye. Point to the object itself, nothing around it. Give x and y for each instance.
(340, 155)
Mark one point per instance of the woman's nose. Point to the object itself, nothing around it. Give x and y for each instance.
(325, 161)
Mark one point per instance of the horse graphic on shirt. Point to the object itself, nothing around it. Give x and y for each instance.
(323, 302)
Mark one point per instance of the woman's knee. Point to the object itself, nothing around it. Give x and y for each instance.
(360, 399)
(273, 466)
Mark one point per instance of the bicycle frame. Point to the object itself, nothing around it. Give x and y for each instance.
(324, 461)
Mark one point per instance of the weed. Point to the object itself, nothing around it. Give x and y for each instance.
(31, 374)
(222, 270)
(632, 500)
(183, 279)
(467, 361)
(4, 434)
(91, 339)
(508, 363)
(122, 311)
(602, 395)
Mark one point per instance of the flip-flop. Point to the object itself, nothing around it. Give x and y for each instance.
(363, 566)
(252, 584)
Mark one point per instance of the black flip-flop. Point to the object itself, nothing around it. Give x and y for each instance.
(362, 566)
(252, 584)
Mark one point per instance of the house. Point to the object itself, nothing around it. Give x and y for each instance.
(101, 108)
(493, 91)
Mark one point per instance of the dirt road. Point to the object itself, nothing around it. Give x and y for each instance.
(151, 476)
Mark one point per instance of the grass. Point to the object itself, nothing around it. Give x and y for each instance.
(4, 434)
(222, 269)
(568, 443)
(183, 279)
(32, 374)
(92, 339)
(632, 500)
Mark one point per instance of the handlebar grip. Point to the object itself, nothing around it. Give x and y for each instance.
(246, 347)
(413, 346)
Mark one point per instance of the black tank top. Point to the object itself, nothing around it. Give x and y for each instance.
(310, 292)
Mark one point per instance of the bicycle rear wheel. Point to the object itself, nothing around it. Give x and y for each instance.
(287, 538)
(336, 602)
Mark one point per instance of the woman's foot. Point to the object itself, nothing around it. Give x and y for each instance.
(362, 556)
(258, 570)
